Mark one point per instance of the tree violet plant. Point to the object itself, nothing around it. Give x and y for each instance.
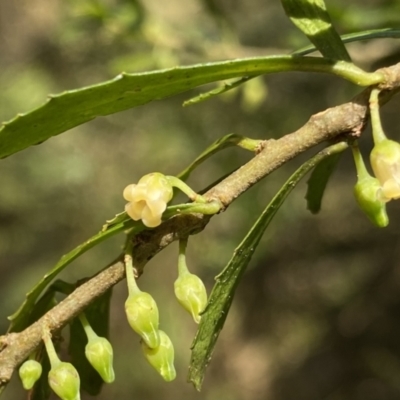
(153, 219)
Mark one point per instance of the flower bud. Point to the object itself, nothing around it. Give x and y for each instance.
(385, 162)
(29, 372)
(142, 312)
(191, 293)
(162, 357)
(99, 353)
(148, 199)
(368, 195)
(64, 380)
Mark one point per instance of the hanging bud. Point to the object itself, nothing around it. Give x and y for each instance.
(368, 192)
(148, 199)
(191, 294)
(142, 312)
(385, 162)
(64, 380)
(189, 288)
(63, 377)
(29, 372)
(162, 357)
(368, 195)
(99, 353)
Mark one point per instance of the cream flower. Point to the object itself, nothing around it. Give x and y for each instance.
(148, 199)
(385, 162)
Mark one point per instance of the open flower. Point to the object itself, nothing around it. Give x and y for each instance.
(385, 162)
(148, 199)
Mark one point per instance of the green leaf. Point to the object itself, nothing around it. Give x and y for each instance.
(351, 37)
(225, 87)
(312, 18)
(355, 37)
(98, 316)
(218, 145)
(21, 318)
(318, 180)
(72, 108)
(44, 304)
(213, 318)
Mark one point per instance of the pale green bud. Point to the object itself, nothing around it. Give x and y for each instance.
(368, 195)
(99, 353)
(142, 312)
(65, 382)
(29, 372)
(162, 357)
(191, 293)
(385, 162)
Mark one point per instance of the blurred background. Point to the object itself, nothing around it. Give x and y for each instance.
(317, 315)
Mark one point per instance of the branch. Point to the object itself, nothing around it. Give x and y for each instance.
(346, 119)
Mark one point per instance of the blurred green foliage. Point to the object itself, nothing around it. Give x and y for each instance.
(316, 316)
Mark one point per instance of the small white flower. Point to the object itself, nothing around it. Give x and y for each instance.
(148, 199)
(385, 162)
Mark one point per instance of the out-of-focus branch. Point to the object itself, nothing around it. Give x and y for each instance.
(346, 119)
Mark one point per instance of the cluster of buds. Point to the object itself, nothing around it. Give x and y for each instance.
(143, 317)
(147, 202)
(372, 193)
(63, 377)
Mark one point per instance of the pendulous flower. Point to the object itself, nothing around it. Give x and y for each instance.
(148, 198)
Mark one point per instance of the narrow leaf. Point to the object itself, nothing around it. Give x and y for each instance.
(351, 37)
(98, 316)
(218, 145)
(213, 318)
(219, 90)
(20, 319)
(318, 180)
(312, 18)
(72, 108)
(356, 37)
